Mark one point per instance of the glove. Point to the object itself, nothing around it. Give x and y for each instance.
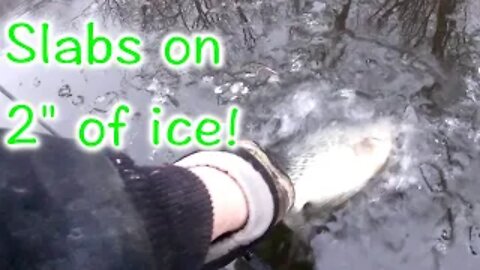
(268, 191)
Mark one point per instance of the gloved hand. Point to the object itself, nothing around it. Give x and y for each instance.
(268, 192)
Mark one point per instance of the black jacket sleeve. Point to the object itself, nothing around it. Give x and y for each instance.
(62, 208)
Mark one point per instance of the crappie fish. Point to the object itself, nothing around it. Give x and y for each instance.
(327, 166)
(332, 164)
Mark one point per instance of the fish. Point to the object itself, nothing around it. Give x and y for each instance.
(331, 165)
(327, 166)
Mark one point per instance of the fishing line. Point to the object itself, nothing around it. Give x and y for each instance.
(12, 98)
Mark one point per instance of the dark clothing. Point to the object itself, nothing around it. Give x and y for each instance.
(62, 208)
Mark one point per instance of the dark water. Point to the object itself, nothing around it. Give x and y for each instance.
(416, 62)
